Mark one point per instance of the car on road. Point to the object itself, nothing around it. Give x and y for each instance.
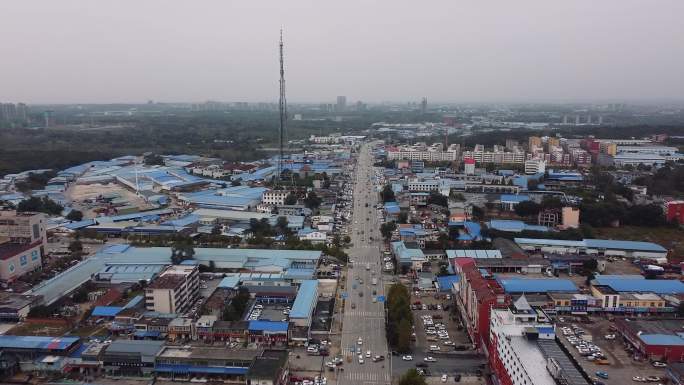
(368, 354)
(653, 379)
(359, 341)
(638, 379)
(421, 365)
(435, 348)
(444, 378)
(407, 358)
(360, 359)
(603, 375)
(429, 359)
(609, 336)
(659, 364)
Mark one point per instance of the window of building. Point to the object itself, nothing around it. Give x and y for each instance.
(23, 260)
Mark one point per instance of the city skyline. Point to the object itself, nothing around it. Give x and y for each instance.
(78, 52)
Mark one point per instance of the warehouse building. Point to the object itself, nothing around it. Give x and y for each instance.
(598, 247)
(305, 303)
(131, 358)
(656, 340)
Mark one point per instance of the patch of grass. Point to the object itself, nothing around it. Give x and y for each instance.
(28, 329)
(669, 237)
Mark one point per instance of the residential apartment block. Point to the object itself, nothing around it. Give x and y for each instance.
(174, 290)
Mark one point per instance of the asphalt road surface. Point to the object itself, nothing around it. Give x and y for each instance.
(367, 319)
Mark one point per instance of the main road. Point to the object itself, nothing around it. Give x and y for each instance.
(363, 327)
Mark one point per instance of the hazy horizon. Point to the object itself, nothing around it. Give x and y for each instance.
(77, 51)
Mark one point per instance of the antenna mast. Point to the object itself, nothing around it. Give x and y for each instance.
(282, 107)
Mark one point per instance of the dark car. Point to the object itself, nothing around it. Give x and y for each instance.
(421, 365)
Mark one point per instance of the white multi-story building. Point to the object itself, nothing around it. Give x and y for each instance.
(534, 166)
(275, 197)
(22, 243)
(524, 351)
(480, 155)
(433, 153)
(174, 291)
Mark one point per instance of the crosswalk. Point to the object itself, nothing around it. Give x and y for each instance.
(365, 314)
(368, 376)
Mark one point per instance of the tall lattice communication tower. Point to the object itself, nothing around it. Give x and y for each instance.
(283, 110)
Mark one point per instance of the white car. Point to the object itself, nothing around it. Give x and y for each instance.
(359, 341)
(435, 348)
(444, 378)
(368, 354)
(360, 359)
(609, 336)
(429, 359)
(407, 358)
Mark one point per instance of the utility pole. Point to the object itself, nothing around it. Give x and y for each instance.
(282, 105)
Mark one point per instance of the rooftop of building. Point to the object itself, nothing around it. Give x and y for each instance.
(268, 366)
(9, 250)
(595, 243)
(133, 347)
(638, 283)
(306, 299)
(168, 281)
(41, 343)
(536, 285)
(473, 254)
(209, 353)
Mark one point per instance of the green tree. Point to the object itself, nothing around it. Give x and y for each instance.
(387, 194)
(438, 199)
(153, 160)
(412, 377)
(477, 213)
(75, 247)
(291, 199)
(75, 215)
(312, 201)
(182, 250)
(386, 229)
(404, 336)
(527, 208)
(42, 205)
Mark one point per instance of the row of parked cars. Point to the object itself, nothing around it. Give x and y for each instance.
(436, 331)
(584, 347)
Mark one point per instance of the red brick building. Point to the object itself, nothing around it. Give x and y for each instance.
(477, 296)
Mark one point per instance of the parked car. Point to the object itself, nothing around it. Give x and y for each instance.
(407, 358)
(601, 374)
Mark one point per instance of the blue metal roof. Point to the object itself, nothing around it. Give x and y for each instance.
(32, 342)
(269, 326)
(514, 226)
(445, 282)
(658, 286)
(662, 339)
(536, 285)
(626, 245)
(134, 302)
(106, 311)
(306, 299)
(230, 282)
(79, 224)
(513, 198)
(180, 368)
(596, 244)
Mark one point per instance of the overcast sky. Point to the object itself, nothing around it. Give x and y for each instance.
(85, 51)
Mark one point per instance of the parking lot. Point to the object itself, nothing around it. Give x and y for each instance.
(269, 312)
(619, 366)
(434, 327)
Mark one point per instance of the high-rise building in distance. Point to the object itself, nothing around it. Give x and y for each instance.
(341, 105)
